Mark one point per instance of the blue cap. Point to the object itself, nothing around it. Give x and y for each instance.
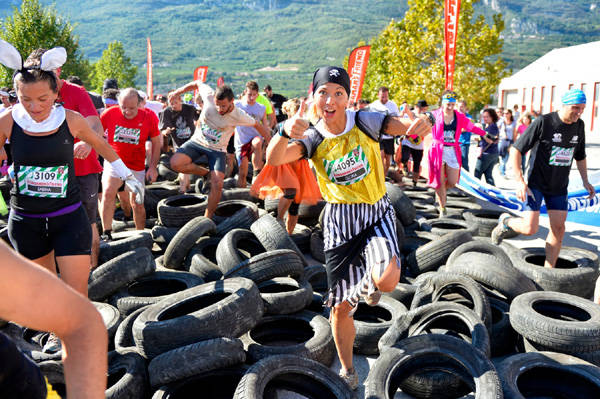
(573, 96)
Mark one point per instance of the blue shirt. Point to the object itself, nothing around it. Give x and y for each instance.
(465, 137)
(493, 132)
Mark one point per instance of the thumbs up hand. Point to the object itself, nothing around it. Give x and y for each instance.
(297, 124)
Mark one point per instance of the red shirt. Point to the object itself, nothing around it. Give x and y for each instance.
(75, 98)
(128, 136)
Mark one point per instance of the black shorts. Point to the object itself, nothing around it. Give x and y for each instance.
(417, 156)
(66, 235)
(88, 188)
(231, 145)
(387, 146)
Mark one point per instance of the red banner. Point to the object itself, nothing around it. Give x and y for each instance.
(221, 81)
(451, 13)
(149, 85)
(357, 67)
(200, 74)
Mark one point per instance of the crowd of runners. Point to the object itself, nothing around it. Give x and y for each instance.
(54, 132)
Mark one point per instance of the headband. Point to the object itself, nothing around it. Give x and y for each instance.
(448, 98)
(331, 75)
(573, 96)
(49, 61)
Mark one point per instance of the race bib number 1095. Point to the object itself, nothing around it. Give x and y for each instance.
(349, 169)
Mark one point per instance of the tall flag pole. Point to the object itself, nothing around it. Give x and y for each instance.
(451, 13)
(357, 68)
(149, 85)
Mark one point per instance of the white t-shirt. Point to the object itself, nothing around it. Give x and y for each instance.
(214, 130)
(389, 108)
(154, 106)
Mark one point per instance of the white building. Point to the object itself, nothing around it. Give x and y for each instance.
(540, 85)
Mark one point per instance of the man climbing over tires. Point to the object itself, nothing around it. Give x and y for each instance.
(555, 139)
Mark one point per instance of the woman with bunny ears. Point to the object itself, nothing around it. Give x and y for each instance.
(359, 223)
(46, 218)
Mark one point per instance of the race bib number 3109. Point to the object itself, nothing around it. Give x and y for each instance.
(561, 156)
(49, 182)
(349, 169)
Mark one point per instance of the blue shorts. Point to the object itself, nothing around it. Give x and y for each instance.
(553, 202)
(216, 159)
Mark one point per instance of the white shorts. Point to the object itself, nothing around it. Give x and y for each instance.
(140, 175)
(449, 157)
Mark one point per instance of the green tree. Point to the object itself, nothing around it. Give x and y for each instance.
(114, 64)
(34, 26)
(408, 55)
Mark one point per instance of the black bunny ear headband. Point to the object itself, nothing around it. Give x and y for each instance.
(50, 60)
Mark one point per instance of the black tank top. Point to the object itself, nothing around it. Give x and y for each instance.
(450, 131)
(44, 171)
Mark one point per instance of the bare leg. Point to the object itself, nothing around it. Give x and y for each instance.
(292, 220)
(182, 163)
(216, 187)
(342, 327)
(452, 177)
(440, 192)
(139, 213)
(75, 270)
(95, 246)
(283, 206)
(110, 185)
(555, 236)
(388, 281)
(243, 173)
(257, 153)
(230, 158)
(386, 162)
(184, 182)
(526, 225)
(125, 203)
(47, 262)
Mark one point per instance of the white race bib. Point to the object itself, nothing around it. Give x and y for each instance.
(561, 156)
(349, 169)
(127, 135)
(212, 136)
(49, 182)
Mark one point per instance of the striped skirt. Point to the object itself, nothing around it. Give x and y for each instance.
(343, 222)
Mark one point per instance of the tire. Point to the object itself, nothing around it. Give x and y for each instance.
(371, 322)
(438, 352)
(548, 374)
(434, 254)
(292, 373)
(242, 194)
(151, 289)
(484, 220)
(301, 237)
(443, 226)
(235, 214)
(317, 246)
(415, 240)
(317, 277)
(425, 208)
(439, 318)
(284, 295)
(575, 273)
(163, 235)
(194, 359)
(403, 206)
(563, 322)
(497, 279)
(453, 287)
(304, 334)
(480, 246)
(273, 236)
(185, 239)
(403, 293)
(309, 214)
(124, 337)
(110, 316)
(502, 336)
(235, 247)
(107, 278)
(177, 210)
(458, 206)
(226, 308)
(217, 384)
(156, 192)
(122, 242)
(166, 173)
(127, 377)
(268, 265)
(203, 259)
(421, 198)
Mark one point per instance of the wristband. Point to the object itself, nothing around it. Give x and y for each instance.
(120, 169)
(283, 134)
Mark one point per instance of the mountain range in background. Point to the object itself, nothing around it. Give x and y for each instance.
(281, 42)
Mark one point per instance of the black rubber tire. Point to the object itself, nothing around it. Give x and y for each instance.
(124, 336)
(317, 277)
(403, 206)
(453, 287)
(215, 384)
(292, 373)
(127, 377)
(107, 278)
(163, 235)
(234, 214)
(268, 265)
(177, 210)
(371, 322)
(317, 246)
(481, 246)
(203, 259)
(403, 293)
(456, 207)
(309, 214)
(122, 242)
(548, 375)
(226, 308)
(237, 194)
(563, 322)
(437, 352)
(498, 279)
(110, 316)
(575, 273)
(443, 226)
(152, 289)
(439, 318)
(420, 197)
(194, 359)
(502, 336)
(416, 239)
(236, 246)
(305, 334)
(301, 237)
(185, 239)
(484, 220)
(273, 236)
(592, 357)
(285, 295)
(434, 254)
(166, 173)
(156, 192)
(54, 372)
